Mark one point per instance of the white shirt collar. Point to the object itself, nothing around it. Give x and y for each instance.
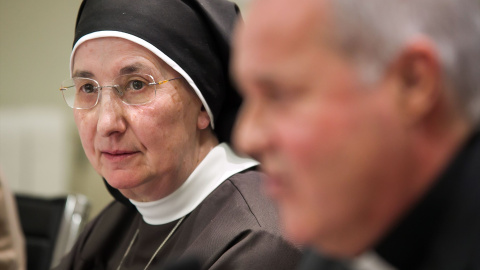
(219, 164)
(370, 261)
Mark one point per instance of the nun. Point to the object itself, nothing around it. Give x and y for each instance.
(154, 107)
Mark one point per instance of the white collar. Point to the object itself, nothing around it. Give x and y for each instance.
(370, 260)
(219, 164)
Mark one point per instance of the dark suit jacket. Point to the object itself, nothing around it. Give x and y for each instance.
(443, 230)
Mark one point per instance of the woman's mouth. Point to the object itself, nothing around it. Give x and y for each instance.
(118, 155)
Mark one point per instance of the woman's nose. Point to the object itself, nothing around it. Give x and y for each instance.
(110, 108)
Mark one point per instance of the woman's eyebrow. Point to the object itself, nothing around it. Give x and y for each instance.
(134, 68)
(83, 74)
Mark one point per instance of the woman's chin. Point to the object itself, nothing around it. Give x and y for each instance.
(122, 180)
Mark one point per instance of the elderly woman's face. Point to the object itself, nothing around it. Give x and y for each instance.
(145, 151)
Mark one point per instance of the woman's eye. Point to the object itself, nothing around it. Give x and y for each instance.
(136, 85)
(88, 88)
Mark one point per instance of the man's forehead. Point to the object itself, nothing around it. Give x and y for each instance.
(283, 23)
(276, 30)
(283, 13)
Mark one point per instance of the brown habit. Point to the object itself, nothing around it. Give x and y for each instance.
(235, 227)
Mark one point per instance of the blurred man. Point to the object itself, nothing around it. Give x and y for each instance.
(364, 115)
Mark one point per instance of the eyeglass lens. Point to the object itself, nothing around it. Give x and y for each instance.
(133, 89)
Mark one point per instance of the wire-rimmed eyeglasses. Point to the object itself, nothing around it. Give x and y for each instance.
(133, 89)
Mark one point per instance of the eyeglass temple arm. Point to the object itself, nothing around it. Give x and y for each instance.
(164, 81)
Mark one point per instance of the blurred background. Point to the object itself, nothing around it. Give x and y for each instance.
(40, 152)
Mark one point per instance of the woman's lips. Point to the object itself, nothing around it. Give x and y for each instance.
(116, 156)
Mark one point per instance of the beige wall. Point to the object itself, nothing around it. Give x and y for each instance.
(35, 43)
(36, 38)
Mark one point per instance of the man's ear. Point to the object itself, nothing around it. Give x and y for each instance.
(203, 120)
(417, 70)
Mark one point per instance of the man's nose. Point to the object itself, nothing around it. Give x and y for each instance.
(111, 118)
(251, 132)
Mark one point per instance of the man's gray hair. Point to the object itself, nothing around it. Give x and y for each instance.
(373, 32)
